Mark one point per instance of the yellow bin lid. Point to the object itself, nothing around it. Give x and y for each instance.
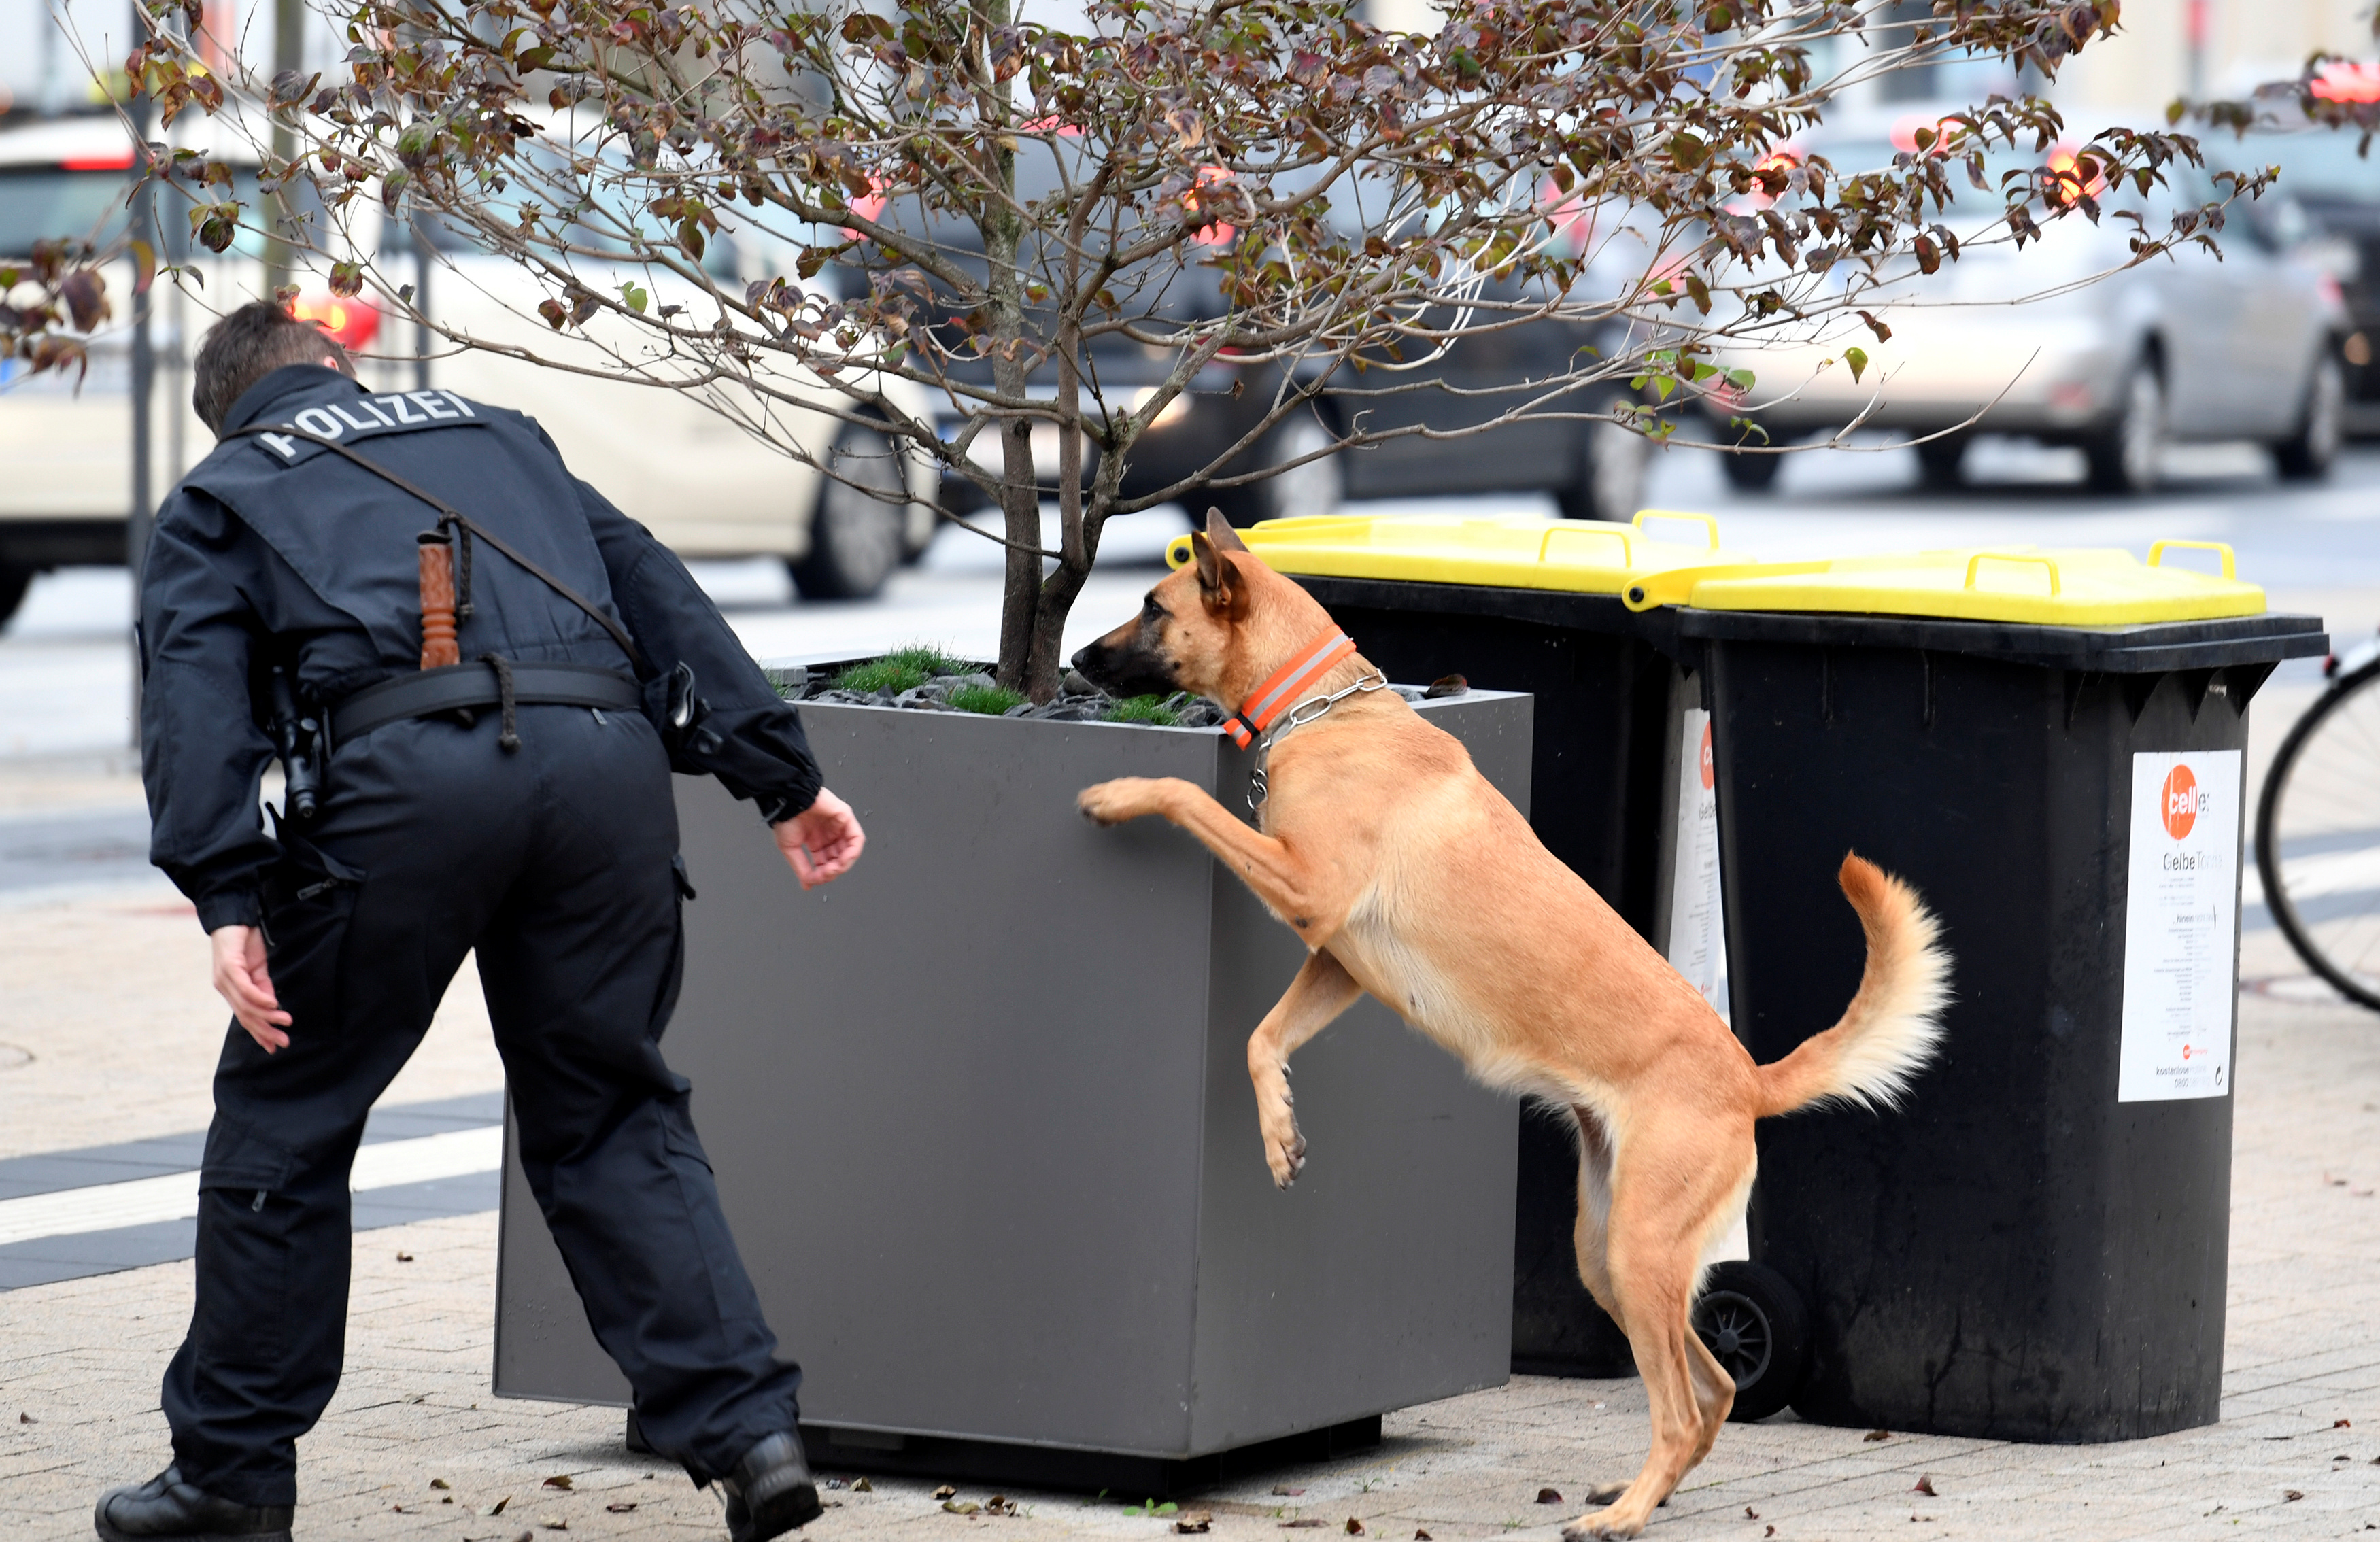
(1578, 555)
(2071, 587)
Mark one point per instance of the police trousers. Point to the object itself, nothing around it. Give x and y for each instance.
(558, 863)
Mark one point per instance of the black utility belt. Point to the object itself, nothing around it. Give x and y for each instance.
(457, 688)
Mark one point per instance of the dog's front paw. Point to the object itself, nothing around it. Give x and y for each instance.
(1127, 797)
(1284, 1148)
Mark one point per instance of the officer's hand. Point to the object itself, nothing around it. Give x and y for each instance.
(823, 841)
(241, 979)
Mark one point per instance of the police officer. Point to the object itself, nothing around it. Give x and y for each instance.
(517, 803)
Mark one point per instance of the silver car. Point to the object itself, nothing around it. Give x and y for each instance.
(2185, 348)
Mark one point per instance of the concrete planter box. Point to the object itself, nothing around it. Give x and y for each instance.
(981, 1119)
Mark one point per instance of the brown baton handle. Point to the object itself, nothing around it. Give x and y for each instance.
(438, 648)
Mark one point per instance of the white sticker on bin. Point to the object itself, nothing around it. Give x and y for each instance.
(2181, 926)
(1697, 940)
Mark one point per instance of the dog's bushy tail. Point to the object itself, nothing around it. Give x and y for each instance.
(1890, 1029)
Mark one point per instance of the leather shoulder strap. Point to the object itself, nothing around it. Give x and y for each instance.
(449, 515)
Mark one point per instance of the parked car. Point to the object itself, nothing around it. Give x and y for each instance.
(2325, 211)
(1593, 470)
(705, 486)
(2190, 349)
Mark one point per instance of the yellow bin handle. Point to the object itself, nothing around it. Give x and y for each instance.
(1981, 557)
(1709, 525)
(2230, 558)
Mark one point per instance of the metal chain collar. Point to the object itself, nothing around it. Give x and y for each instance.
(1298, 717)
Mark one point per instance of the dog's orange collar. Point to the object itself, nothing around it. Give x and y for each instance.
(1269, 701)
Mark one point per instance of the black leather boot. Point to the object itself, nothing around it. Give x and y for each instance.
(769, 1492)
(165, 1508)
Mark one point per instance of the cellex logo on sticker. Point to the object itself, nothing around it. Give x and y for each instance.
(2183, 801)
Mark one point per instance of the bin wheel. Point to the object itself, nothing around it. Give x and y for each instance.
(1754, 1323)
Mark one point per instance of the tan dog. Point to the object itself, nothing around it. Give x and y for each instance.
(1408, 876)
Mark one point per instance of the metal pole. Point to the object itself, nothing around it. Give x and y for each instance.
(420, 306)
(144, 361)
(289, 57)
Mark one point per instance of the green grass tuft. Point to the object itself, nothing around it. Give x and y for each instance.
(990, 701)
(1149, 709)
(903, 668)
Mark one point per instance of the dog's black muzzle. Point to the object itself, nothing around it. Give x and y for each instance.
(1129, 668)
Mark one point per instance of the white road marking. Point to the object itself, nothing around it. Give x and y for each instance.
(174, 1195)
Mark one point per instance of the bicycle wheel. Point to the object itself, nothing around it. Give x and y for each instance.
(2318, 835)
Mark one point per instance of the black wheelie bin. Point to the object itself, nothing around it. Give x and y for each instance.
(2048, 746)
(1620, 774)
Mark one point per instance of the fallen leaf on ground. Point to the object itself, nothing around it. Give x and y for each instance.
(559, 1480)
(404, 1257)
(999, 1504)
(863, 1487)
(1284, 1491)
(554, 1523)
(1193, 1523)
(1750, 1514)
(1770, 1531)
(1301, 1526)
(621, 1507)
(1549, 1495)
(1874, 1435)
(1921, 1517)
(1421, 1537)
(2343, 1423)
(29, 1419)
(1355, 1527)
(945, 1491)
(1926, 1486)
(957, 1508)
(440, 1482)
(2333, 1183)
(2291, 1494)
(498, 1508)
(525, 1537)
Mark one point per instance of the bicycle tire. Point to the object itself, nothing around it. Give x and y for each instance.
(2271, 860)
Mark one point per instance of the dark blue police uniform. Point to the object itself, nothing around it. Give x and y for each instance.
(557, 859)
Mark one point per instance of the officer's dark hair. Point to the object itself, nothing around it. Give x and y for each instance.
(246, 345)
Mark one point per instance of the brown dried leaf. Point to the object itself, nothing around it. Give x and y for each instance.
(945, 1491)
(957, 1507)
(440, 1482)
(2291, 1495)
(1308, 1525)
(620, 1507)
(498, 1508)
(559, 1480)
(27, 1419)
(404, 1257)
(1195, 1524)
(1874, 1435)
(1283, 1491)
(1925, 1486)
(2343, 1423)
(554, 1523)
(1750, 1514)
(1549, 1495)
(863, 1487)
(1355, 1527)
(1421, 1537)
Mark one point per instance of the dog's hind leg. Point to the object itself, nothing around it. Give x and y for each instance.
(1667, 1192)
(1590, 1237)
(1321, 991)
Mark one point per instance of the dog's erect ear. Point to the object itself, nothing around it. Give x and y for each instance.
(1220, 531)
(1219, 582)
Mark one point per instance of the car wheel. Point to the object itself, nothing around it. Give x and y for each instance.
(1754, 1325)
(1751, 473)
(1940, 461)
(857, 537)
(2306, 455)
(14, 581)
(2127, 456)
(1612, 460)
(1316, 488)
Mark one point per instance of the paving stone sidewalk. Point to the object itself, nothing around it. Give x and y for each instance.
(108, 992)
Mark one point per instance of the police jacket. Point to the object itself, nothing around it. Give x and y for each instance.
(277, 550)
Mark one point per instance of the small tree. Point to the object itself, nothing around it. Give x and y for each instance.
(1002, 200)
